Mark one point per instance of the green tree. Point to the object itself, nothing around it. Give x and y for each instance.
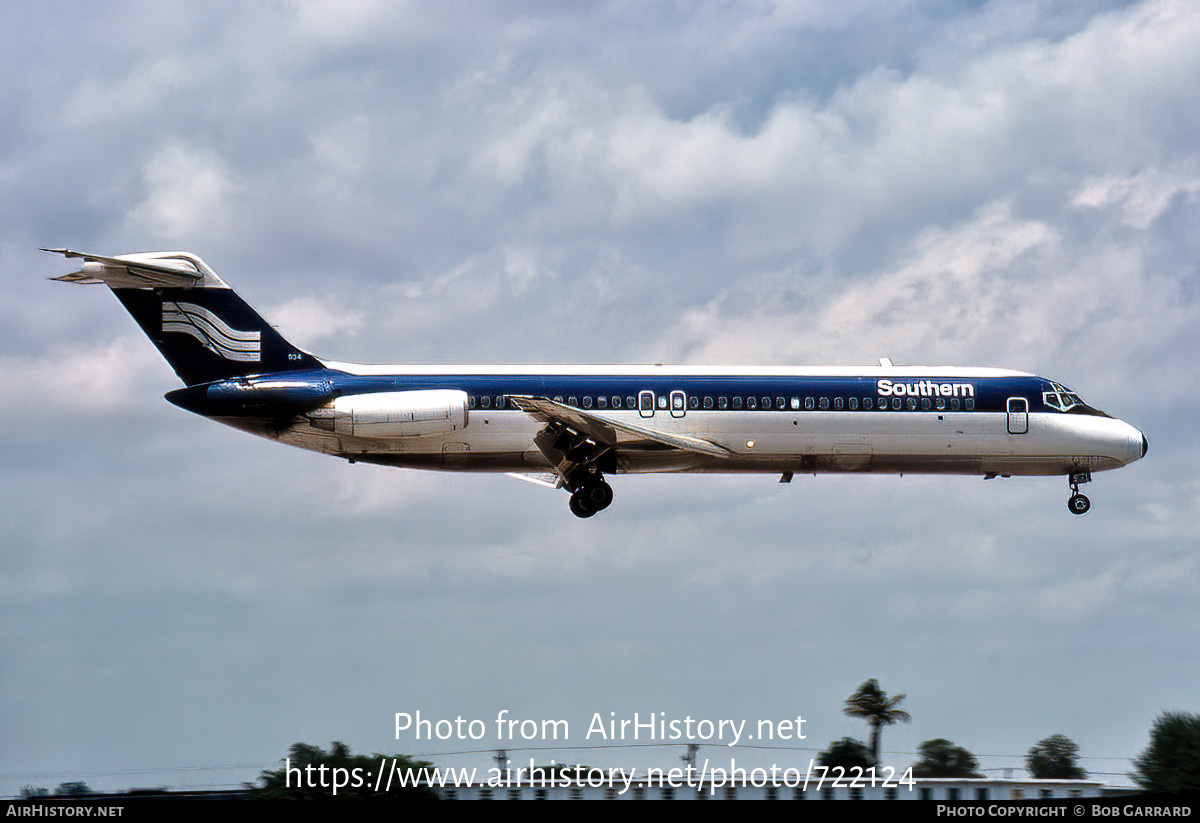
(1055, 758)
(846, 753)
(310, 772)
(873, 705)
(941, 758)
(1171, 763)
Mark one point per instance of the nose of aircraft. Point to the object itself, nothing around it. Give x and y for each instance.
(1138, 445)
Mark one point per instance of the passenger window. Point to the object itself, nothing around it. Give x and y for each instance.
(572, 401)
(970, 404)
(912, 403)
(602, 402)
(631, 402)
(868, 403)
(587, 402)
(616, 401)
(708, 403)
(824, 402)
(766, 402)
(558, 398)
(693, 402)
(795, 402)
(941, 404)
(954, 404)
(737, 402)
(896, 403)
(853, 403)
(838, 402)
(926, 403)
(485, 401)
(722, 402)
(780, 403)
(751, 403)
(662, 402)
(809, 403)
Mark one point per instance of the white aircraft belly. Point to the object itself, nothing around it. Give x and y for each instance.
(768, 441)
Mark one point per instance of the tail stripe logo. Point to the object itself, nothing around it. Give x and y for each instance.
(212, 331)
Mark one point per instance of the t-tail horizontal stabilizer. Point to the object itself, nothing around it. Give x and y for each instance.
(204, 330)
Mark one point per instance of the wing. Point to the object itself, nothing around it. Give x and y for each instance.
(608, 431)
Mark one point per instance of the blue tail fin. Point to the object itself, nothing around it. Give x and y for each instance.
(204, 330)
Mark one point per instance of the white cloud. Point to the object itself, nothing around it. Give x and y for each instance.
(146, 88)
(1141, 198)
(819, 169)
(353, 23)
(114, 376)
(953, 296)
(187, 190)
(306, 321)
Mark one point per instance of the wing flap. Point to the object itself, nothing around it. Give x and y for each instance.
(550, 480)
(611, 432)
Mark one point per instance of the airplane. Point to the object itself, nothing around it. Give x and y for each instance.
(572, 426)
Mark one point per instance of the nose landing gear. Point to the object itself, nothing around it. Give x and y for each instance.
(1078, 503)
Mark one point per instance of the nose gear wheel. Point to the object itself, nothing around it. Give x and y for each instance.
(1078, 503)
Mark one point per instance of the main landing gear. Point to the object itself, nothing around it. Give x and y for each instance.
(582, 464)
(1078, 503)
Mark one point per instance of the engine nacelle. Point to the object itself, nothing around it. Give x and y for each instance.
(394, 414)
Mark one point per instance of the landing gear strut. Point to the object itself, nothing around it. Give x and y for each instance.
(1078, 503)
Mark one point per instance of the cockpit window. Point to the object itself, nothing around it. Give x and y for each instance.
(1062, 399)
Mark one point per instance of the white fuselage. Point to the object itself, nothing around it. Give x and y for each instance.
(793, 438)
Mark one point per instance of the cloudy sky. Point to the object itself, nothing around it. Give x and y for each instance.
(805, 183)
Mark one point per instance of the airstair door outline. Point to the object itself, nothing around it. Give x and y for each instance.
(678, 403)
(1018, 415)
(646, 403)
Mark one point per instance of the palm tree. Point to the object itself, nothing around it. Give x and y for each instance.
(872, 704)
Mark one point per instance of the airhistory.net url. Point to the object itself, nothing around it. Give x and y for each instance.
(395, 774)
